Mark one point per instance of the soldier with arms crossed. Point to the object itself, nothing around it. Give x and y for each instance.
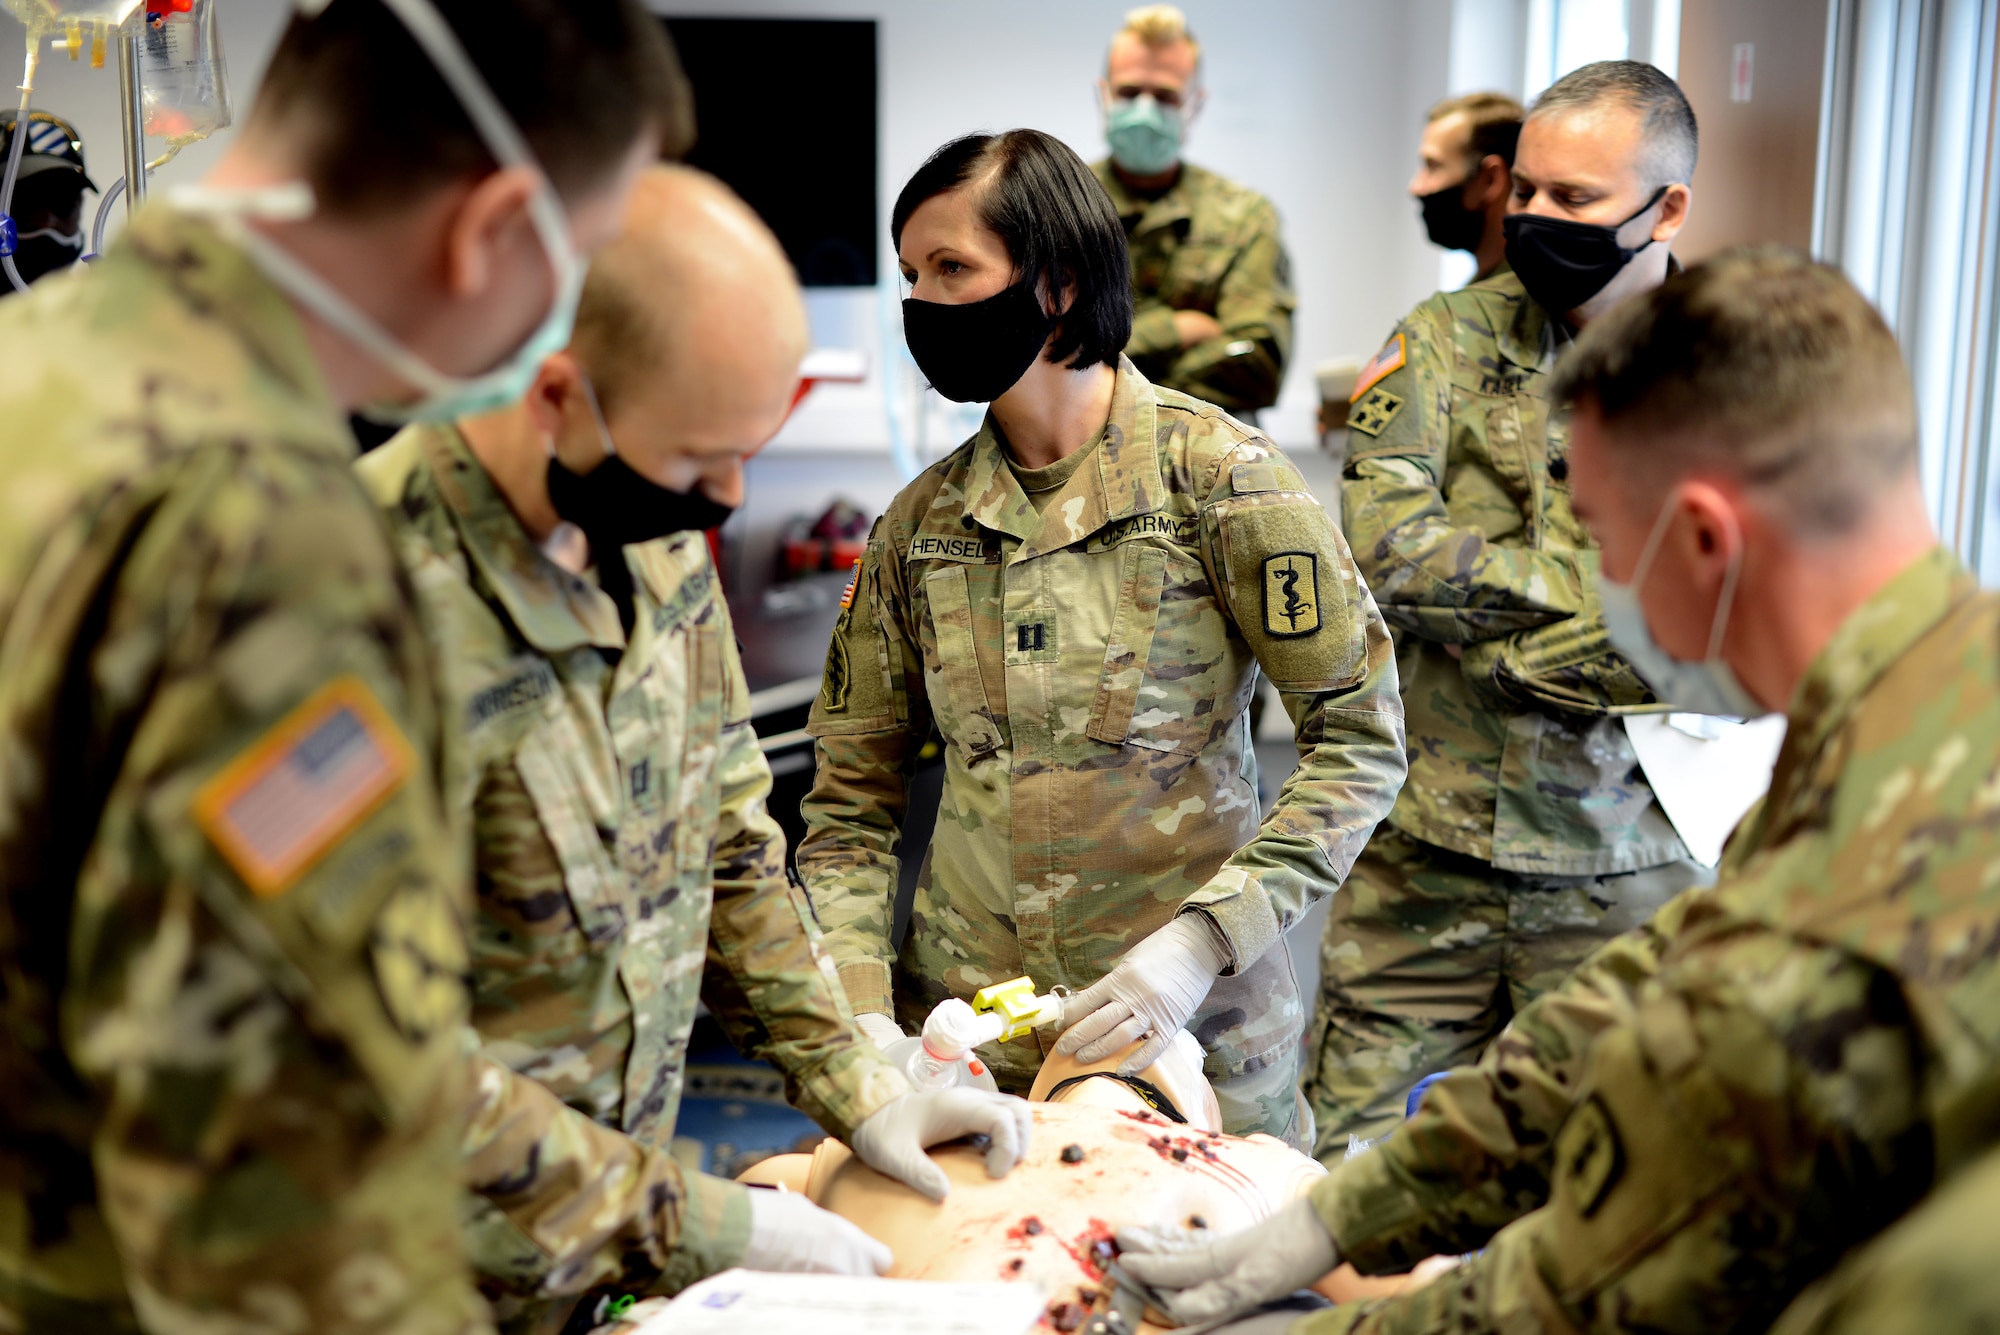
(1717, 1108)
(1210, 278)
(1527, 834)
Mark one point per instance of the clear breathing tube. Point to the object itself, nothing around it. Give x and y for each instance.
(36, 32)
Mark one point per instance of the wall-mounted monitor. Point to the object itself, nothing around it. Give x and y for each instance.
(785, 114)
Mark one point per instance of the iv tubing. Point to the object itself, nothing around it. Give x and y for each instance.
(35, 33)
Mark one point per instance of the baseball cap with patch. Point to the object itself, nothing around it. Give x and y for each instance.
(53, 145)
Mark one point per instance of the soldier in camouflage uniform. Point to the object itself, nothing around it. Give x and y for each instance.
(233, 1095)
(1719, 1105)
(1085, 634)
(626, 866)
(1211, 283)
(1527, 834)
(1934, 1270)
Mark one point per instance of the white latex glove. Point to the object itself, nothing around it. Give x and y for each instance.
(892, 1139)
(789, 1232)
(880, 1029)
(1153, 991)
(1224, 1276)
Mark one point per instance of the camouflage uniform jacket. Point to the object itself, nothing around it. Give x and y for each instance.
(1934, 1270)
(1090, 672)
(625, 863)
(1209, 245)
(1765, 1093)
(1456, 502)
(231, 902)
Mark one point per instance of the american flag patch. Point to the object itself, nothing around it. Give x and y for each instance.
(1387, 360)
(847, 595)
(275, 810)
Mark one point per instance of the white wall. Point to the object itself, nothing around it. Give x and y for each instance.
(1317, 103)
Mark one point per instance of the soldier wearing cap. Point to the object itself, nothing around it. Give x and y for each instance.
(47, 206)
(1527, 834)
(1081, 599)
(1721, 1105)
(1211, 283)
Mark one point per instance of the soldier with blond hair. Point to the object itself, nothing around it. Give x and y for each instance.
(1211, 282)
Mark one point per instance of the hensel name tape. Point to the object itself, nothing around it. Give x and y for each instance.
(927, 547)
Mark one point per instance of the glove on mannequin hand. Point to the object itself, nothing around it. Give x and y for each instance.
(1152, 992)
(1224, 1276)
(881, 1030)
(789, 1232)
(892, 1139)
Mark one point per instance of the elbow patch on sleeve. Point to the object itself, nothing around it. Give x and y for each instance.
(1293, 590)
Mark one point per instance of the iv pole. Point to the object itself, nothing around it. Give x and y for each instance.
(132, 110)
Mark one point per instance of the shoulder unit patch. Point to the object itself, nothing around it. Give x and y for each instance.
(1373, 414)
(280, 806)
(1291, 594)
(1589, 1155)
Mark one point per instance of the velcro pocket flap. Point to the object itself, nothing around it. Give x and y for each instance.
(1130, 644)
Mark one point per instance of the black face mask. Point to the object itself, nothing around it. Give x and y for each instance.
(616, 507)
(1563, 263)
(39, 256)
(1447, 220)
(976, 352)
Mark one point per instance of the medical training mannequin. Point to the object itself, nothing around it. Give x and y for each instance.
(1105, 1150)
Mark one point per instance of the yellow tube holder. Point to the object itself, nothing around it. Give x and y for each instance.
(1015, 1002)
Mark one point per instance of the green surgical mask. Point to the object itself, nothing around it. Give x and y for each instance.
(1145, 136)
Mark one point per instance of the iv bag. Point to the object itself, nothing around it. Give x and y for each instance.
(182, 77)
(80, 25)
(57, 13)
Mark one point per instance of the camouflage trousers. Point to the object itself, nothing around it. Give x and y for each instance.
(1268, 1101)
(1429, 953)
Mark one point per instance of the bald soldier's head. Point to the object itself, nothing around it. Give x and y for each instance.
(690, 336)
(691, 327)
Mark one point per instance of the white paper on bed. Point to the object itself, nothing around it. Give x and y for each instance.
(1706, 771)
(747, 1300)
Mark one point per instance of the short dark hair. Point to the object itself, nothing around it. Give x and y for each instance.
(1492, 122)
(1761, 365)
(582, 80)
(1058, 225)
(1670, 140)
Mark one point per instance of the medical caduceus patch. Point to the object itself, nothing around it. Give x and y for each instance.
(1291, 594)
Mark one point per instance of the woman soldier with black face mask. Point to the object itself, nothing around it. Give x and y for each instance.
(1079, 600)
